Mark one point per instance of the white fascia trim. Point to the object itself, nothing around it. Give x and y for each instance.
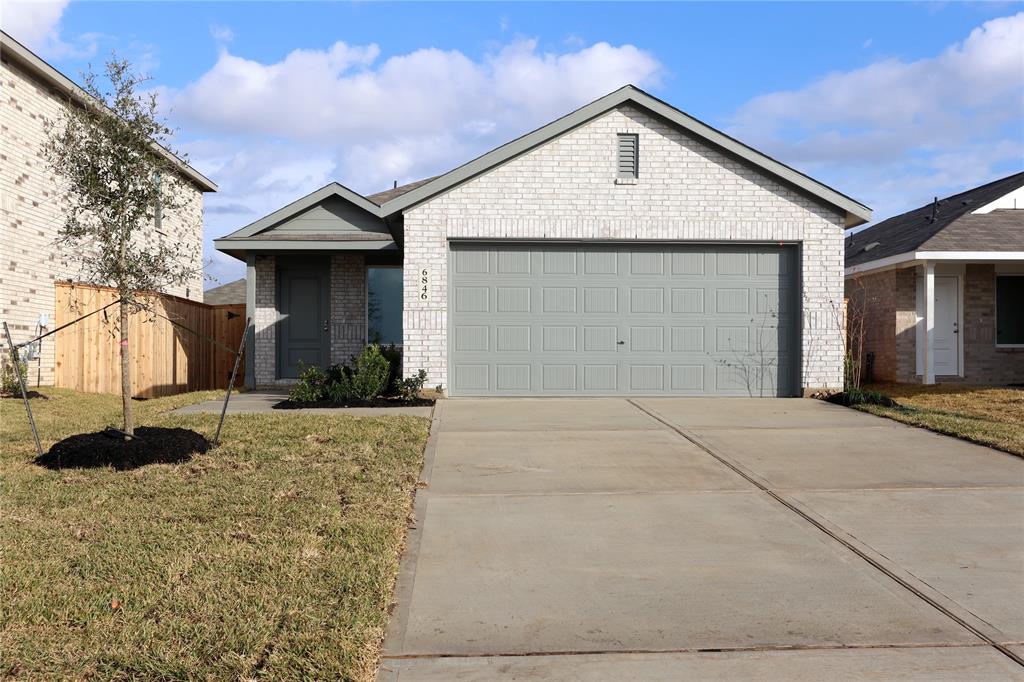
(912, 257)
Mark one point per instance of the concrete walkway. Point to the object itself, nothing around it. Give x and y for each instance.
(262, 402)
(665, 539)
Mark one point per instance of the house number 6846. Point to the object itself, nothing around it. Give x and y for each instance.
(424, 284)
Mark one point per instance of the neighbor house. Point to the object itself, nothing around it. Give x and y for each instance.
(939, 291)
(31, 208)
(626, 248)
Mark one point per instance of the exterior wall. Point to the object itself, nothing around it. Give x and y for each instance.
(871, 322)
(348, 305)
(566, 189)
(905, 287)
(31, 212)
(347, 309)
(984, 363)
(265, 320)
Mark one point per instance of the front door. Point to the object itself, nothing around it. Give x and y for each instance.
(303, 330)
(947, 316)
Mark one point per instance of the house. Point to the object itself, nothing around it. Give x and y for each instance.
(226, 294)
(31, 212)
(625, 248)
(941, 288)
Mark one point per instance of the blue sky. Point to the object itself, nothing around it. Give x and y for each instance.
(888, 102)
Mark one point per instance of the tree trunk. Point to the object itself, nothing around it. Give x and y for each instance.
(126, 369)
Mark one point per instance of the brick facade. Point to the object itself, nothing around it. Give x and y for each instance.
(889, 301)
(31, 213)
(984, 363)
(566, 189)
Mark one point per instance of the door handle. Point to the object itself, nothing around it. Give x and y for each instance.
(325, 325)
(620, 343)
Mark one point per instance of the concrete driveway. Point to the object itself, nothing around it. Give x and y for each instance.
(660, 539)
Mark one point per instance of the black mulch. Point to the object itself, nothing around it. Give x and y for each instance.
(376, 402)
(32, 395)
(152, 445)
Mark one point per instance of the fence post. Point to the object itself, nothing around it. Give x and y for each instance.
(24, 392)
(231, 381)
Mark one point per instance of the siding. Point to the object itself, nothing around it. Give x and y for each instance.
(566, 189)
(31, 213)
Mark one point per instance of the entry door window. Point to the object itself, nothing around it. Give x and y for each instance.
(384, 305)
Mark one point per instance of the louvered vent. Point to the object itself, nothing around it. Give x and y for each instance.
(629, 144)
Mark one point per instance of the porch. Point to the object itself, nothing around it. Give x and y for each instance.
(941, 320)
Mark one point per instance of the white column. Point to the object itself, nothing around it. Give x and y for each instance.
(929, 323)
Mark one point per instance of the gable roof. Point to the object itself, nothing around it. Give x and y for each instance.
(938, 226)
(26, 59)
(393, 202)
(855, 212)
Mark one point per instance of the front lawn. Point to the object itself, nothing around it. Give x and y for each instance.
(986, 415)
(272, 556)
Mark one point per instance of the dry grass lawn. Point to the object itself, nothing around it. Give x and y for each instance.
(271, 557)
(987, 415)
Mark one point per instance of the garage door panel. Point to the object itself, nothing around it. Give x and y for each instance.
(624, 319)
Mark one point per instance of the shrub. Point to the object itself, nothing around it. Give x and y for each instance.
(312, 385)
(393, 354)
(409, 389)
(339, 386)
(371, 372)
(9, 384)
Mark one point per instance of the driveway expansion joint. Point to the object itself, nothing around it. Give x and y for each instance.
(979, 627)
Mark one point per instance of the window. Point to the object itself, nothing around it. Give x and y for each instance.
(1010, 310)
(384, 305)
(629, 161)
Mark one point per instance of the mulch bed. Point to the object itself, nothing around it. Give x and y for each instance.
(151, 445)
(376, 402)
(32, 395)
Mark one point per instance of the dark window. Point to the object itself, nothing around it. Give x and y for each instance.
(1010, 310)
(384, 305)
(629, 156)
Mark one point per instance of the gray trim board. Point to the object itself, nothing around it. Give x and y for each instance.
(240, 247)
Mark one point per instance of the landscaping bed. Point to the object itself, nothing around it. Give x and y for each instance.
(290, 404)
(272, 556)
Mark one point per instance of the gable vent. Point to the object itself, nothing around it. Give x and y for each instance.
(629, 148)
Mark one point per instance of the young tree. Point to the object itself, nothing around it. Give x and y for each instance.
(112, 153)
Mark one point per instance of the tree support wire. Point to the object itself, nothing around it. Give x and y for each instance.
(24, 392)
(65, 326)
(231, 381)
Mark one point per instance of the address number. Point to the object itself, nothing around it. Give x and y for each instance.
(424, 284)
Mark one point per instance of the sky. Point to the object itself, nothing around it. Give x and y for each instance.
(890, 103)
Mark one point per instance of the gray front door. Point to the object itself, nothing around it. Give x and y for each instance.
(303, 336)
(623, 319)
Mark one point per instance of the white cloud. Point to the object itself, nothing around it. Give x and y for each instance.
(895, 132)
(222, 34)
(34, 23)
(343, 113)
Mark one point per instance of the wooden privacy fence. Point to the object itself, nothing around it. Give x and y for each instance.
(166, 358)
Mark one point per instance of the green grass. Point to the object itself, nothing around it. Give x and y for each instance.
(981, 414)
(271, 557)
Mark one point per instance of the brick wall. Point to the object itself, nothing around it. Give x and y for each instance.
(348, 306)
(31, 212)
(871, 322)
(265, 320)
(905, 288)
(984, 363)
(566, 189)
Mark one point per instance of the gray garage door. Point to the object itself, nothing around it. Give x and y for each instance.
(616, 319)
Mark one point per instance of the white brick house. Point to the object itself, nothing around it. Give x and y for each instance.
(31, 209)
(623, 249)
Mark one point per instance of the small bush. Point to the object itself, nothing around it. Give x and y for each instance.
(9, 384)
(393, 354)
(312, 385)
(409, 389)
(859, 396)
(370, 374)
(339, 387)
